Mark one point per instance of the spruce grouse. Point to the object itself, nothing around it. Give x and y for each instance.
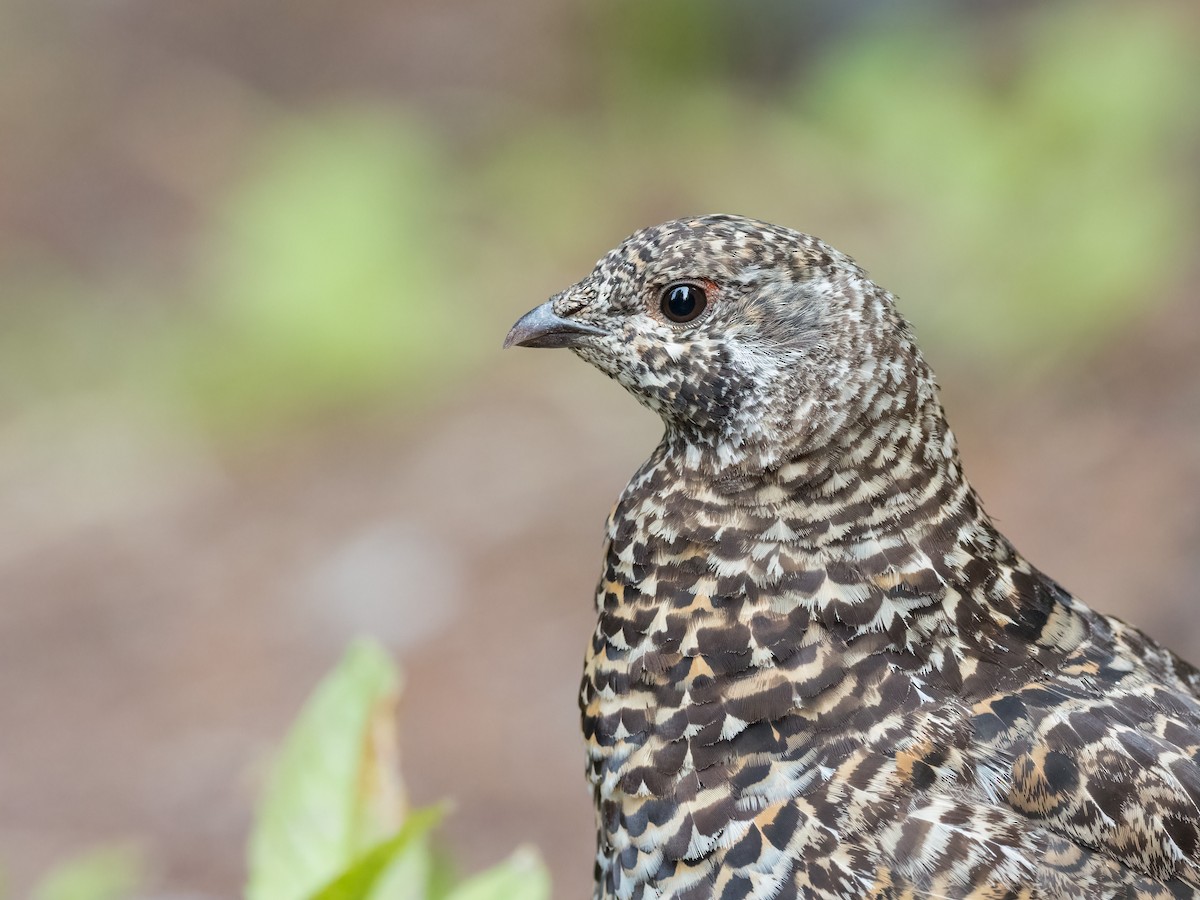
(819, 669)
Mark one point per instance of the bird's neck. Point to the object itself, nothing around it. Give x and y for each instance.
(879, 532)
(883, 482)
(883, 546)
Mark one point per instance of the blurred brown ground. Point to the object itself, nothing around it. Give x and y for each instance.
(167, 605)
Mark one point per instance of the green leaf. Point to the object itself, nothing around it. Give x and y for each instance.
(407, 876)
(422, 872)
(334, 793)
(405, 854)
(522, 876)
(106, 873)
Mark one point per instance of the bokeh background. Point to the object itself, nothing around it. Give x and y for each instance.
(256, 261)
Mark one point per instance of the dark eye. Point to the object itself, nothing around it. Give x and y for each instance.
(684, 301)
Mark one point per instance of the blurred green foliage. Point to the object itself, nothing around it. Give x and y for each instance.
(334, 824)
(1038, 207)
(327, 271)
(105, 873)
(1027, 190)
(334, 794)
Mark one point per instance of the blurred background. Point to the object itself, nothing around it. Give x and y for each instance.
(256, 262)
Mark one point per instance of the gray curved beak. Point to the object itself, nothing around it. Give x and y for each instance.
(540, 327)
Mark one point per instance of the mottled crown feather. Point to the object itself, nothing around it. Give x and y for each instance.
(796, 348)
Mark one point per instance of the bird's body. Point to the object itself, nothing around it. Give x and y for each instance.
(819, 670)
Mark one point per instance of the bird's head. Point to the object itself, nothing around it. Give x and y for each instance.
(753, 342)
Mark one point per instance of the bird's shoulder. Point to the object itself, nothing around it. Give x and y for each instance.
(1105, 751)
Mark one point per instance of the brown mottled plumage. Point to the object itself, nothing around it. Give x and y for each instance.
(819, 669)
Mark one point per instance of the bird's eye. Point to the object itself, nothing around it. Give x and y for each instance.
(683, 301)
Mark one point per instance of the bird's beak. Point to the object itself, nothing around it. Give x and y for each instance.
(540, 327)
